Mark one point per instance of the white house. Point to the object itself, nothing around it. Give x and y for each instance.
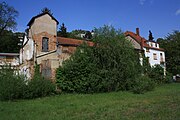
(149, 49)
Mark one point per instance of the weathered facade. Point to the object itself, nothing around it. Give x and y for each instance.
(11, 59)
(42, 46)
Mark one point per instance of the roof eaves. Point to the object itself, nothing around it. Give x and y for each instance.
(39, 15)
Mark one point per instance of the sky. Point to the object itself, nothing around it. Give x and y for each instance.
(160, 16)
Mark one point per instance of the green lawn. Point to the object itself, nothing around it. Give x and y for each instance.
(161, 104)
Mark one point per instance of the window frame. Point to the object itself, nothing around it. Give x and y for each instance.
(155, 56)
(45, 43)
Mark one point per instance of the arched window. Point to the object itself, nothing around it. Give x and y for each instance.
(45, 44)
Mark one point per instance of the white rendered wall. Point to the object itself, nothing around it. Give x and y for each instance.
(151, 58)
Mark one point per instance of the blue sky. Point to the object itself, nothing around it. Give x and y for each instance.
(159, 16)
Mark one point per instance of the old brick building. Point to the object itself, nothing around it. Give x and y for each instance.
(42, 46)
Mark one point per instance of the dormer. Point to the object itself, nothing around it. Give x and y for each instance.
(153, 44)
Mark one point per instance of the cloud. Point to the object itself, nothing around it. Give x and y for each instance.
(177, 12)
(141, 2)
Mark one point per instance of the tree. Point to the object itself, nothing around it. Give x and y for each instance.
(46, 10)
(7, 17)
(9, 42)
(108, 65)
(150, 36)
(171, 44)
(62, 31)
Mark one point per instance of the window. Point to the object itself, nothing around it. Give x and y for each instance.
(156, 44)
(161, 57)
(151, 44)
(147, 49)
(155, 56)
(45, 44)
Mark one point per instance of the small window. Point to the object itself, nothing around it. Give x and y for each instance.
(161, 57)
(147, 49)
(45, 44)
(151, 44)
(156, 44)
(155, 56)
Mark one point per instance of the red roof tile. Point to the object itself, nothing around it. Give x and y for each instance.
(142, 41)
(72, 42)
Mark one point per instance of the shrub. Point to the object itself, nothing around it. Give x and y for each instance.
(11, 86)
(106, 66)
(15, 87)
(142, 84)
(39, 87)
(157, 74)
(168, 78)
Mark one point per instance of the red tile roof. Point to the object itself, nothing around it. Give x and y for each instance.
(142, 41)
(72, 42)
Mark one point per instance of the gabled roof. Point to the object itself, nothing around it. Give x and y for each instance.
(72, 42)
(142, 41)
(39, 15)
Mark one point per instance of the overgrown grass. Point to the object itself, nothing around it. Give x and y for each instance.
(162, 103)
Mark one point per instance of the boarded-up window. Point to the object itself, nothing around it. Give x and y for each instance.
(46, 68)
(155, 56)
(45, 44)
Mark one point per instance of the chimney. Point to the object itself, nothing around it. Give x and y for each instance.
(137, 31)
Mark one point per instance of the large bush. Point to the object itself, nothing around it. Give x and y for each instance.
(13, 86)
(109, 65)
(142, 84)
(39, 86)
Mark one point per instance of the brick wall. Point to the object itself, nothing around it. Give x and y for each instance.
(38, 40)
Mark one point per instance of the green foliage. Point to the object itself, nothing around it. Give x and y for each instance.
(142, 84)
(157, 74)
(7, 17)
(39, 86)
(161, 103)
(62, 31)
(172, 50)
(168, 77)
(9, 42)
(150, 36)
(107, 66)
(146, 67)
(11, 85)
(46, 10)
